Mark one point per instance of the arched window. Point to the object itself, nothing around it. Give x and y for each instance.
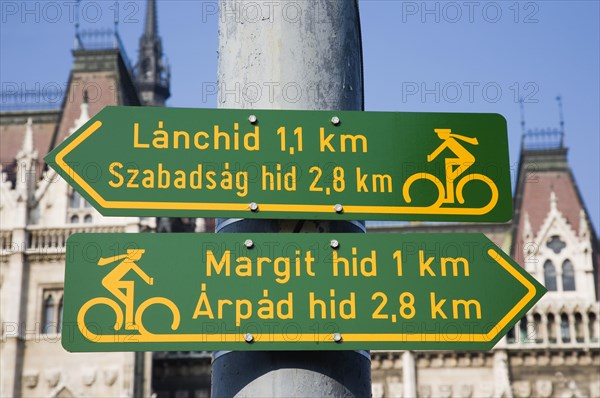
(551, 328)
(568, 276)
(539, 334)
(78, 210)
(549, 276)
(75, 200)
(510, 336)
(48, 321)
(52, 311)
(523, 335)
(60, 315)
(593, 327)
(578, 328)
(564, 328)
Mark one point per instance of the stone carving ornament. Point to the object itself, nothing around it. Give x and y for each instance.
(444, 391)
(424, 391)
(30, 379)
(88, 376)
(110, 375)
(543, 388)
(522, 389)
(52, 377)
(464, 391)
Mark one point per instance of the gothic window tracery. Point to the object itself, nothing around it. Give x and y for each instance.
(49, 316)
(523, 335)
(80, 210)
(549, 276)
(537, 328)
(52, 308)
(578, 328)
(556, 244)
(593, 327)
(568, 276)
(551, 328)
(564, 328)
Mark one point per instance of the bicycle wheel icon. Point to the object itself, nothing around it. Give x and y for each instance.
(153, 301)
(424, 176)
(97, 301)
(118, 311)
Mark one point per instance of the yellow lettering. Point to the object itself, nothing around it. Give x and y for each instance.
(180, 180)
(466, 304)
(244, 267)
(282, 273)
(211, 263)
(425, 265)
(353, 139)
(148, 181)
(186, 139)
(325, 142)
(161, 139)
(197, 143)
(136, 143)
(131, 183)
(112, 171)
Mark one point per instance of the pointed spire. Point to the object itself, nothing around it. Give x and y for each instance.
(27, 150)
(151, 27)
(553, 202)
(77, 43)
(152, 72)
(584, 230)
(561, 119)
(522, 106)
(28, 140)
(84, 114)
(26, 162)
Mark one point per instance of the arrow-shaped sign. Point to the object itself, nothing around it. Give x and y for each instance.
(290, 164)
(182, 292)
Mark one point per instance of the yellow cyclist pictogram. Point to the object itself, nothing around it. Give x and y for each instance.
(454, 168)
(123, 290)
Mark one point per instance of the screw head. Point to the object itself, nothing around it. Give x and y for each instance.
(248, 338)
(252, 119)
(337, 337)
(334, 244)
(338, 208)
(248, 243)
(253, 206)
(335, 121)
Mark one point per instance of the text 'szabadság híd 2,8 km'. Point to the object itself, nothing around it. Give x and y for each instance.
(152, 292)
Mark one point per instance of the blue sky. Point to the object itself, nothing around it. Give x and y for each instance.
(418, 56)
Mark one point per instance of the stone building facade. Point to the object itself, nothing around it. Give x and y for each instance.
(552, 352)
(555, 350)
(39, 211)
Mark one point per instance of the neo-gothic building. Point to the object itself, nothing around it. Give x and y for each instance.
(552, 352)
(555, 350)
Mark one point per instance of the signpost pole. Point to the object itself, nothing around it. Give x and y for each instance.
(409, 377)
(298, 55)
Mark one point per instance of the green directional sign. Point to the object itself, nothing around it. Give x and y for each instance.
(147, 161)
(185, 292)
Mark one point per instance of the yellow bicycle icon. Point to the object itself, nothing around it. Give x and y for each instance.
(123, 290)
(455, 167)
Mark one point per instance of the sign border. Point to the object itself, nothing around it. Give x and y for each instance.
(267, 207)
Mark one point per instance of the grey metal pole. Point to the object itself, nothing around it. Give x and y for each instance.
(290, 55)
(138, 374)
